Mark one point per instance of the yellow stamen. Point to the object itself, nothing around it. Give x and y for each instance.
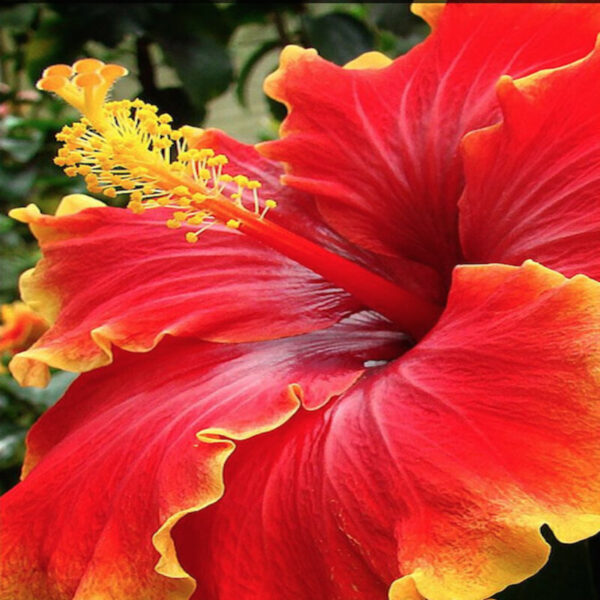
(127, 147)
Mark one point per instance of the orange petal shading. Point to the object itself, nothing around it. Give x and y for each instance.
(20, 327)
(533, 181)
(382, 144)
(111, 277)
(436, 471)
(134, 446)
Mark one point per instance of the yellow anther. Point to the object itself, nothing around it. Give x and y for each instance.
(198, 197)
(181, 190)
(162, 201)
(87, 65)
(204, 174)
(190, 237)
(233, 223)
(206, 152)
(111, 192)
(165, 118)
(173, 224)
(236, 196)
(136, 207)
(270, 203)
(127, 184)
(60, 161)
(179, 215)
(176, 135)
(163, 143)
(78, 129)
(148, 188)
(84, 170)
(75, 157)
(197, 219)
(136, 196)
(220, 159)
(241, 180)
(225, 178)
(91, 179)
(254, 185)
(71, 171)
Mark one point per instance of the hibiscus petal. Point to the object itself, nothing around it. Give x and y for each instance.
(134, 446)
(111, 277)
(382, 144)
(438, 470)
(533, 180)
(297, 211)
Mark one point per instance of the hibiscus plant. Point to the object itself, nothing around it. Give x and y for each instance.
(361, 361)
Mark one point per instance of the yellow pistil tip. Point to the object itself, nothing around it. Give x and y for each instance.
(60, 70)
(51, 83)
(88, 80)
(87, 65)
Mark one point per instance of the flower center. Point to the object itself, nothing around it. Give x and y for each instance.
(126, 147)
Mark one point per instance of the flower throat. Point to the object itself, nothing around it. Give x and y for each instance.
(126, 147)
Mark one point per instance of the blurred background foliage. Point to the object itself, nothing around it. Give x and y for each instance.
(203, 63)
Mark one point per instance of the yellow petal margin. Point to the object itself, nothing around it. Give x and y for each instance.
(29, 367)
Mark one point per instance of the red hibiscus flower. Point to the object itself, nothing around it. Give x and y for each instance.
(359, 395)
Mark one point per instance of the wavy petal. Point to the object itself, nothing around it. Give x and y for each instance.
(438, 470)
(298, 212)
(111, 277)
(387, 159)
(133, 447)
(533, 181)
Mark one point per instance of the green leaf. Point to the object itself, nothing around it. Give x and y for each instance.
(176, 102)
(40, 399)
(394, 16)
(248, 66)
(338, 37)
(205, 68)
(18, 17)
(11, 444)
(194, 23)
(16, 186)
